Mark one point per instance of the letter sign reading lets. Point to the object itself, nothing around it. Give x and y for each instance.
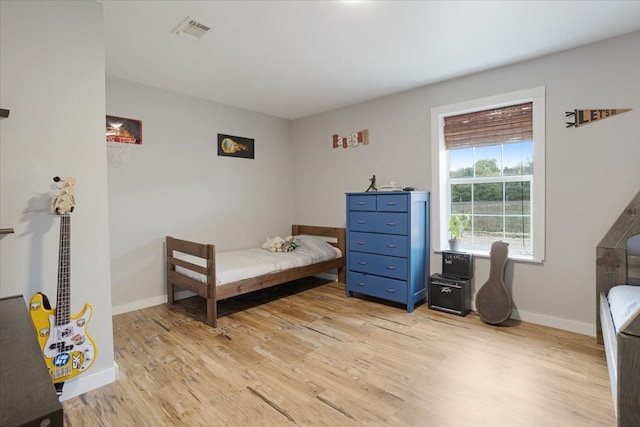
(584, 117)
(361, 137)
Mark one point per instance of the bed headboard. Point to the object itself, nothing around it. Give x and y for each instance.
(618, 255)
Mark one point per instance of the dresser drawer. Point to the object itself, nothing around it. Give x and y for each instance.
(383, 244)
(362, 203)
(381, 287)
(378, 222)
(380, 265)
(392, 203)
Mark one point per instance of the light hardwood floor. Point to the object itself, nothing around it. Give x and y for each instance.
(313, 357)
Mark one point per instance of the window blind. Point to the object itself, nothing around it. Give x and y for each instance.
(503, 125)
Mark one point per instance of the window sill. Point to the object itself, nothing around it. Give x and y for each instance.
(485, 254)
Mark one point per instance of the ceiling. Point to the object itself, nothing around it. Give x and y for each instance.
(292, 59)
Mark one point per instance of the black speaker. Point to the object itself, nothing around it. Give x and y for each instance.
(449, 294)
(457, 265)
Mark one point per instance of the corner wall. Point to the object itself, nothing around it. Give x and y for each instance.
(592, 171)
(176, 184)
(52, 81)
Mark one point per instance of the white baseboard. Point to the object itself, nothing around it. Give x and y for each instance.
(85, 383)
(555, 322)
(139, 304)
(148, 302)
(550, 321)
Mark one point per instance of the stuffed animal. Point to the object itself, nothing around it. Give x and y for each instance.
(290, 243)
(274, 244)
(278, 244)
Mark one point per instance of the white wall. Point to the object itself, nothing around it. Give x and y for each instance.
(592, 171)
(52, 80)
(176, 184)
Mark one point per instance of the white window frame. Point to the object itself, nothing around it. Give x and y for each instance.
(440, 169)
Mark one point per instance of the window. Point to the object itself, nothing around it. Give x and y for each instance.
(488, 166)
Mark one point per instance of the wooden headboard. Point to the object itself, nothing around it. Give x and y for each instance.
(614, 264)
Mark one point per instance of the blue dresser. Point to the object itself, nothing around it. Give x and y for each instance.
(388, 245)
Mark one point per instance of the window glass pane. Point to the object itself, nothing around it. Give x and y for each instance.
(518, 198)
(461, 163)
(518, 234)
(461, 198)
(518, 159)
(517, 225)
(486, 230)
(488, 198)
(488, 160)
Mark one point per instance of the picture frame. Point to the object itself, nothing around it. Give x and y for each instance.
(235, 146)
(123, 130)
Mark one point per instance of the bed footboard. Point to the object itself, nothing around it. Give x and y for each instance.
(207, 266)
(610, 345)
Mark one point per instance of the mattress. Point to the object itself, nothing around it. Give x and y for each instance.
(624, 302)
(233, 266)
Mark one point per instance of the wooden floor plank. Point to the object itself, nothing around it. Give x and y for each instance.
(305, 355)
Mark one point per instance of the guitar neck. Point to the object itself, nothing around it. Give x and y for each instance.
(64, 270)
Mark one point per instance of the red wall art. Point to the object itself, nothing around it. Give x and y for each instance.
(124, 131)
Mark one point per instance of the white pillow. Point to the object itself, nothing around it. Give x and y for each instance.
(318, 246)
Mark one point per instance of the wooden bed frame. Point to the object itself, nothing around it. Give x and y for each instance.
(615, 266)
(334, 236)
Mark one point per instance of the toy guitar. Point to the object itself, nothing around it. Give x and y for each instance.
(68, 350)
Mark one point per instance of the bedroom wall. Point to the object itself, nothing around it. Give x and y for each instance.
(176, 184)
(52, 81)
(592, 171)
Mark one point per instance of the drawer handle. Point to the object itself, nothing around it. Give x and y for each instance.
(360, 242)
(391, 291)
(391, 224)
(391, 267)
(360, 284)
(391, 203)
(362, 263)
(361, 221)
(392, 246)
(362, 203)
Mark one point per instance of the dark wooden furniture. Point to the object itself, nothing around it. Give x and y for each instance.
(214, 293)
(615, 266)
(28, 396)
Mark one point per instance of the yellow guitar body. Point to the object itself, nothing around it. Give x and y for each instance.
(68, 350)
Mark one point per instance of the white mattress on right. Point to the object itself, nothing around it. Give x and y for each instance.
(624, 302)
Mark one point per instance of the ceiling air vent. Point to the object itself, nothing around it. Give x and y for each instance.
(191, 29)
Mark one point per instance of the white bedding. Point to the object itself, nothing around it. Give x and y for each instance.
(624, 302)
(243, 264)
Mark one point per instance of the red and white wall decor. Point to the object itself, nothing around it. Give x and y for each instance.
(353, 140)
